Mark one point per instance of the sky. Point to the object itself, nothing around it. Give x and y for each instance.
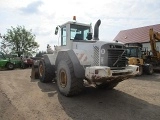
(42, 16)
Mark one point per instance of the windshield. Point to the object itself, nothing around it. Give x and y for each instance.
(133, 52)
(79, 32)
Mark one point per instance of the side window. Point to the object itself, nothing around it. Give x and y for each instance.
(63, 36)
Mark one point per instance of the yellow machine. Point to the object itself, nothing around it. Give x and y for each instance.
(155, 57)
(146, 60)
(136, 57)
(153, 37)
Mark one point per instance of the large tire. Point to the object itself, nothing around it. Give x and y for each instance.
(67, 83)
(149, 69)
(10, 66)
(46, 71)
(108, 86)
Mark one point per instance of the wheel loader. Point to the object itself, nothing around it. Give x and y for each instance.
(82, 60)
(148, 61)
(136, 56)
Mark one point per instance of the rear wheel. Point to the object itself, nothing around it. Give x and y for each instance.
(46, 71)
(10, 66)
(67, 83)
(35, 72)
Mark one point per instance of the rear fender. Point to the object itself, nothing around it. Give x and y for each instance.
(49, 62)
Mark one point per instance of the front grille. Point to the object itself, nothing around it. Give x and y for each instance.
(116, 59)
(96, 55)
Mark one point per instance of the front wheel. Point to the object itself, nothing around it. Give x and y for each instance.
(10, 66)
(67, 83)
(149, 69)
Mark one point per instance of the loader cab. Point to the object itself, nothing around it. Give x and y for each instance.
(134, 51)
(71, 32)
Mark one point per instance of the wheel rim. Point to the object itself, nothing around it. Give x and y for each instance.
(63, 78)
(41, 70)
(10, 66)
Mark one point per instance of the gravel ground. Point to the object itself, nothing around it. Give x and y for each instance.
(22, 98)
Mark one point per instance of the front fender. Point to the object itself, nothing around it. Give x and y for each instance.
(78, 68)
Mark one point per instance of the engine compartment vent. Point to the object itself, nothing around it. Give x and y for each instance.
(96, 56)
(116, 58)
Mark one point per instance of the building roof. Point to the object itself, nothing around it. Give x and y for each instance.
(136, 35)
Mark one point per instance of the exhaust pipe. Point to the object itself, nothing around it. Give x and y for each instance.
(96, 30)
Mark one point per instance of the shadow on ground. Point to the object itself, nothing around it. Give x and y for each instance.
(50, 88)
(153, 77)
(94, 104)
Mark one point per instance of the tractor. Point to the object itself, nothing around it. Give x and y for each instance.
(83, 60)
(9, 63)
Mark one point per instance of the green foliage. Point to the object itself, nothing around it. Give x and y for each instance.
(20, 41)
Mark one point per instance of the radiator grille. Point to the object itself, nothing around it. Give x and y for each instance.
(116, 58)
(96, 55)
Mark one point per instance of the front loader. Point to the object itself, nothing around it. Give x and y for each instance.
(136, 56)
(83, 59)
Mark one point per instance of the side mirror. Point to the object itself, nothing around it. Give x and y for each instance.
(56, 31)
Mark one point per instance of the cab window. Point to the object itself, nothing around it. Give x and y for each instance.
(63, 36)
(78, 32)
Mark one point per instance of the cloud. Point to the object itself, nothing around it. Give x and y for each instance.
(32, 7)
(42, 16)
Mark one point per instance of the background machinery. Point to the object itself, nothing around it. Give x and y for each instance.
(155, 57)
(9, 62)
(83, 59)
(146, 60)
(136, 56)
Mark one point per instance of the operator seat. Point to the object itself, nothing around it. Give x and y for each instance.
(78, 37)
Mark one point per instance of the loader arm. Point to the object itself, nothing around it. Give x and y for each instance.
(153, 37)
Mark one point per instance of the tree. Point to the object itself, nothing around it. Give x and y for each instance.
(20, 41)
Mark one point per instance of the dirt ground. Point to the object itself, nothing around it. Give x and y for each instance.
(24, 99)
